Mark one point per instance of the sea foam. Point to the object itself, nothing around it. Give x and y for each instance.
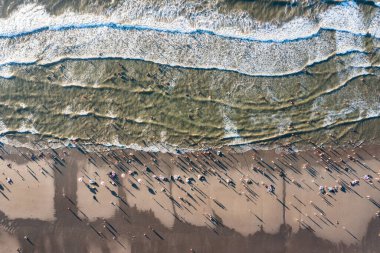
(186, 17)
(177, 34)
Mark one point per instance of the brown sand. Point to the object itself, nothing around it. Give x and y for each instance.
(58, 213)
(32, 194)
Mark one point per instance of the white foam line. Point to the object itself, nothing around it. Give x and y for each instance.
(202, 52)
(184, 16)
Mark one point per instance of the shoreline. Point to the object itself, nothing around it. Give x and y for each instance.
(230, 211)
(292, 143)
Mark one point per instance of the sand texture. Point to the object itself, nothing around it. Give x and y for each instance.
(65, 201)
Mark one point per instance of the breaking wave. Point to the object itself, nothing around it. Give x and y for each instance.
(178, 34)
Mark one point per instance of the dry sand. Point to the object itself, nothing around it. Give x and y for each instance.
(231, 211)
(101, 207)
(31, 196)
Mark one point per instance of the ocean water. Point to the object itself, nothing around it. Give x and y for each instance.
(161, 75)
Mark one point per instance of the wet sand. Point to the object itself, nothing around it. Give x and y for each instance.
(52, 207)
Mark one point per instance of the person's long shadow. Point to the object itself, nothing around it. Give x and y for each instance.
(5, 196)
(159, 236)
(352, 234)
(377, 204)
(29, 241)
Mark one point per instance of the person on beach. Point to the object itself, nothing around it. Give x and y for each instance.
(270, 189)
(9, 180)
(355, 182)
(322, 190)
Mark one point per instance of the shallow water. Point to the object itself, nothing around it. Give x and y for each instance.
(191, 74)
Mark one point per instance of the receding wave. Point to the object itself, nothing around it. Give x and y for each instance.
(124, 102)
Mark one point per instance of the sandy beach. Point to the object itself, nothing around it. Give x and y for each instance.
(70, 200)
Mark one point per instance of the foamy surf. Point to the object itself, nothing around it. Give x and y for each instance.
(202, 52)
(183, 17)
(176, 34)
